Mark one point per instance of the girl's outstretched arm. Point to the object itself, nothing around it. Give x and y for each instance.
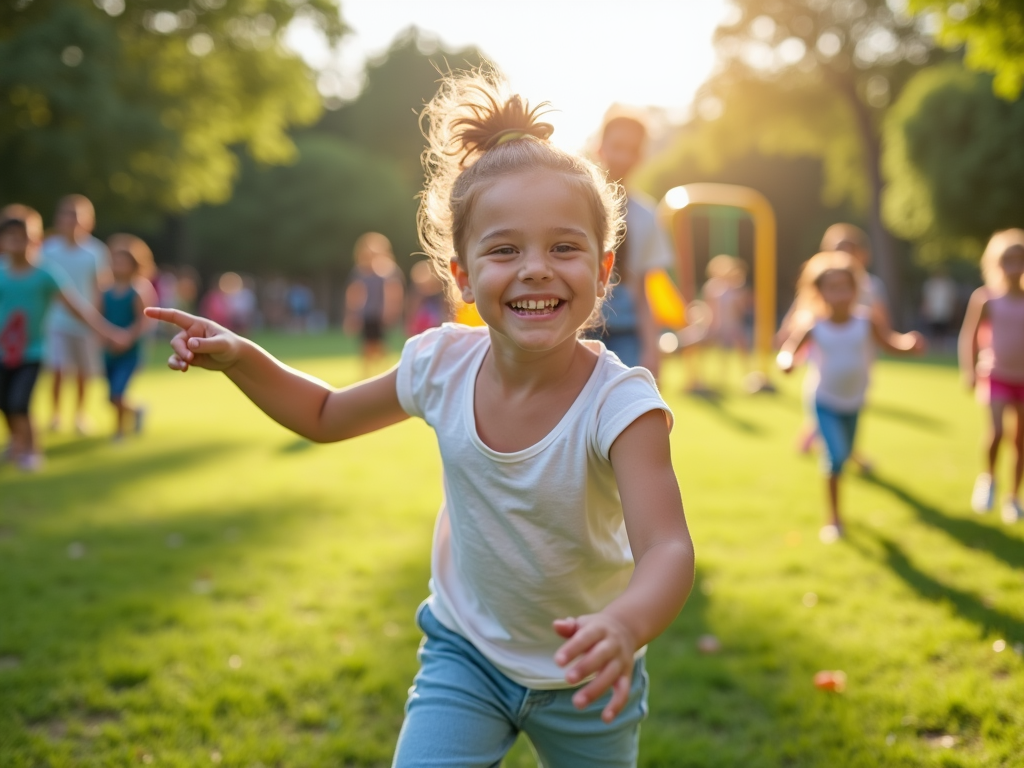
(967, 344)
(796, 340)
(299, 402)
(897, 343)
(603, 644)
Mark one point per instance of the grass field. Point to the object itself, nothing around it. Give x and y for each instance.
(221, 592)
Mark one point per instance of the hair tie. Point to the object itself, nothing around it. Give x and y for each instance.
(541, 131)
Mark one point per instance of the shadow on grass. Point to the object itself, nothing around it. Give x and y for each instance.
(75, 447)
(917, 419)
(964, 604)
(718, 406)
(968, 532)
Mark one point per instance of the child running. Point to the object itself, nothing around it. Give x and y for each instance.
(1000, 303)
(124, 303)
(26, 292)
(842, 333)
(561, 548)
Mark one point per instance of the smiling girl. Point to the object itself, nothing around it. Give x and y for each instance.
(561, 548)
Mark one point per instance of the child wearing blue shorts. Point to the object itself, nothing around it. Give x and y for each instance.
(124, 305)
(843, 336)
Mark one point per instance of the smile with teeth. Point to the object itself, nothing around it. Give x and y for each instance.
(535, 306)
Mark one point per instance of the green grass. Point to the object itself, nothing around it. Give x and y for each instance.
(221, 591)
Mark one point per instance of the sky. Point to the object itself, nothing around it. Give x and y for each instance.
(581, 55)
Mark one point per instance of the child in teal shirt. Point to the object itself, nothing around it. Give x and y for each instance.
(26, 293)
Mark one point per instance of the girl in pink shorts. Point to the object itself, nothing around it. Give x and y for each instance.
(1000, 303)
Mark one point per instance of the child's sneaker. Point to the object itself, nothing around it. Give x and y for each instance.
(1012, 511)
(830, 534)
(30, 462)
(984, 494)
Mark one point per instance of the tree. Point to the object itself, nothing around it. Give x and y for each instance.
(954, 162)
(991, 30)
(138, 105)
(302, 219)
(385, 117)
(812, 78)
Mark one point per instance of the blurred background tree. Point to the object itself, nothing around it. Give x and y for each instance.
(138, 105)
(954, 162)
(992, 32)
(811, 78)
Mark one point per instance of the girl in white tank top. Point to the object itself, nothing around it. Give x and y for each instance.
(844, 336)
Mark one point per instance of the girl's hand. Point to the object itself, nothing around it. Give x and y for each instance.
(920, 344)
(200, 342)
(601, 644)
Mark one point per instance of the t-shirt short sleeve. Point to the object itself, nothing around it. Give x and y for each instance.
(422, 370)
(622, 401)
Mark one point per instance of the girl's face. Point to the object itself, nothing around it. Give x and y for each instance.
(838, 289)
(1012, 264)
(532, 261)
(122, 265)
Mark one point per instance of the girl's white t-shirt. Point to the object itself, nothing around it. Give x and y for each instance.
(528, 537)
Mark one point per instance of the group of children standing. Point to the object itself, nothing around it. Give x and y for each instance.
(56, 296)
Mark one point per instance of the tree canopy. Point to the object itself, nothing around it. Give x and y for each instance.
(954, 161)
(991, 30)
(138, 105)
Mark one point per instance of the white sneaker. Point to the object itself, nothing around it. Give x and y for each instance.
(1012, 511)
(984, 494)
(830, 534)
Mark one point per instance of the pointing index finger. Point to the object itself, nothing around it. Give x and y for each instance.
(174, 316)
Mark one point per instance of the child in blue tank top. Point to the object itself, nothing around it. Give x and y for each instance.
(123, 306)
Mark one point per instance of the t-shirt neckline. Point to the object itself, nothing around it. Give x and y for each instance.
(469, 412)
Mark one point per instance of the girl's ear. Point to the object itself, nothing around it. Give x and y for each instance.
(604, 273)
(462, 281)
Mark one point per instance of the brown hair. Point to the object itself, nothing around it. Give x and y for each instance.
(999, 244)
(137, 249)
(475, 133)
(841, 234)
(808, 291)
(30, 216)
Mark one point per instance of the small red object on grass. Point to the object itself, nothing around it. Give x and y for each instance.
(830, 680)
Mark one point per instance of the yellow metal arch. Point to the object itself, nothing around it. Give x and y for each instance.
(672, 211)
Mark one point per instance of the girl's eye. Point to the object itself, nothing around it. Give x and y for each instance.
(565, 248)
(502, 250)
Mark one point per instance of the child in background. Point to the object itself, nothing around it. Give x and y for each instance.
(726, 295)
(123, 306)
(557, 467)
(84, 260)
(26, 293)
(1000, 303)
(428, 300)
(373, 299)
(842, 355)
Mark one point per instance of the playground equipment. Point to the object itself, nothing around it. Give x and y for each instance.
(674, 212)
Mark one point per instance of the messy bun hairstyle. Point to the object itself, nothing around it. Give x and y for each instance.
(477, 132)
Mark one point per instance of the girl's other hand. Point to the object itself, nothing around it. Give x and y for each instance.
(200, 342)
(785, 361)
(598, 644)
(920, 343)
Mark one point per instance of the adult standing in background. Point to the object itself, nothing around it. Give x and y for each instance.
(629, 330)
(70, 345)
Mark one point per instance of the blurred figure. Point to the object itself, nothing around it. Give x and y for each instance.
(1000, 304)
(629, 329)
(70, 345)
(428, 304)
(871, 296)
(843, 332)
(214, 304)
(124, 304)
(300, 305)
(26, 294)
(33, 222)
(726, 294)
(373, 299)
(938, 305)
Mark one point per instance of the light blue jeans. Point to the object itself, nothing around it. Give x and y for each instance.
(463, 713)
